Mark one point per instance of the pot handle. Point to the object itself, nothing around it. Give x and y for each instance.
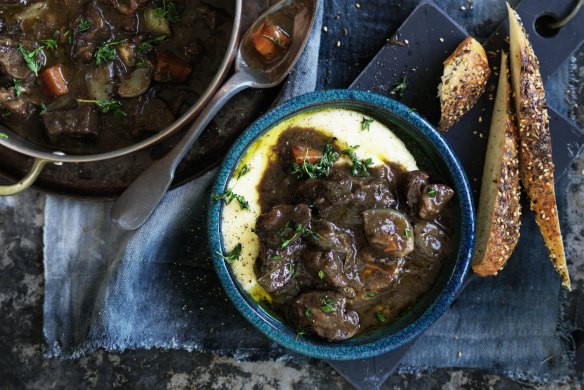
(27, 181)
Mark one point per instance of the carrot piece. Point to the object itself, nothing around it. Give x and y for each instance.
(169, 67)
(54, 81)
(304, 153)
(270, 40)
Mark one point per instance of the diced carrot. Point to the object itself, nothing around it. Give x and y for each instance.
(270, 40)
(169, 67)
(54, 81)
(304, 153)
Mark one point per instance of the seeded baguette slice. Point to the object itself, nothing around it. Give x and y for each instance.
(535, 152)
(499, 212)
(465, 76)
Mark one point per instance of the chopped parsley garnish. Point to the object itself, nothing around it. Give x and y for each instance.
(291, 269)
(407, 232)
(371, 294)
(380, 316)
(365, 123)
(44, 109)
(106, 106)
(276, 41)
(3, 136)
(300, 332)
(359, 168)
(431, 192)
(328, 305)
(321, 274)
(275, 257)
(50, 44)
(30, 58)
(291, 232)
(84, 25)
(168, 11)
(230, 257)
(243, 171)
(400, 87)
(319, 169)
(107, 52)
(17, 87)
(308, 312)
(228, 196)
(148, 45)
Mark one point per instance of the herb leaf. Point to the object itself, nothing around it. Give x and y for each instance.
(106, 106)
(3, 136)
(400, 87)
(371, 294)
(243, 171)
(107, 52)
(365, 123)
(431, 192)
(328, 305)
(319, 169)
(84, 25)
(359, 166)
(321, 274)
(50, 44)
(308, 312)
(44, 109)
(380, 316)
(230, 257)
(17, 87)
(228, 196)
(168, 11)
(30, 58)
(6, 114)
(407, 232)
(297, 230)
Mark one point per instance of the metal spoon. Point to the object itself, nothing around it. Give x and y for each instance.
(140, 199)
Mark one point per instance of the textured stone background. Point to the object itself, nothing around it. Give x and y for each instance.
(21, 296)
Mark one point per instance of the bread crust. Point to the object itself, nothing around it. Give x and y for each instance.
(466, 72)
(535, 152)
(499, 212)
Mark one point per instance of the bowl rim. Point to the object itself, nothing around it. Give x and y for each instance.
(386, 343)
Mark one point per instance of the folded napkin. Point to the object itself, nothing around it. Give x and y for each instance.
(156, 287)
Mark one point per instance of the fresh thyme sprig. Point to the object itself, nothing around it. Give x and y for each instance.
(318, 169)
(107, 52)
(168, 11)
(105, 106)
(30, 58)
(233, 255)
(328, 305)
(365, 123)
(291, 232)
(400, 87)
(359, 168)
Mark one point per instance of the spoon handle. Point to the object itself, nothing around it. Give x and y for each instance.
(140, 199)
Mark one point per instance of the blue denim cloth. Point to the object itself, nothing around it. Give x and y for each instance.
(156, 287)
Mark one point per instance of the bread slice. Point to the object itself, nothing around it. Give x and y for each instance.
(499, 212)
(535, 152)
(465, 76)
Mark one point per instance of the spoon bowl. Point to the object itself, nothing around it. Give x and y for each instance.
(140, 199)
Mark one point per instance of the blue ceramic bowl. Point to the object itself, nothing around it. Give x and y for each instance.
(432, 154)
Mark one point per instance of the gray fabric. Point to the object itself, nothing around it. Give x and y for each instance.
(156, 287)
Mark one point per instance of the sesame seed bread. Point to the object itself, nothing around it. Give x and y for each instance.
(465, 76)
(499, 211)
(535, 151)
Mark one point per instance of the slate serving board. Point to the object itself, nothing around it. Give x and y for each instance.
(417, 50)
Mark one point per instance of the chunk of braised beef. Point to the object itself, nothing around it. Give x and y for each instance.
(331, 237)
(326, 194)
(11, 61)
(278, 226)
(433, 200)
(325, 314)
(85, 43)
(388, 231)
(127, 7)
(431, 241)
(412, 184)
(382, 275)
(151, 115)
(278, 268)
(16, 105)
(79, 123)
(326, 268)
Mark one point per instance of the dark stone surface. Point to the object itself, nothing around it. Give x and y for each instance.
(22, 364)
